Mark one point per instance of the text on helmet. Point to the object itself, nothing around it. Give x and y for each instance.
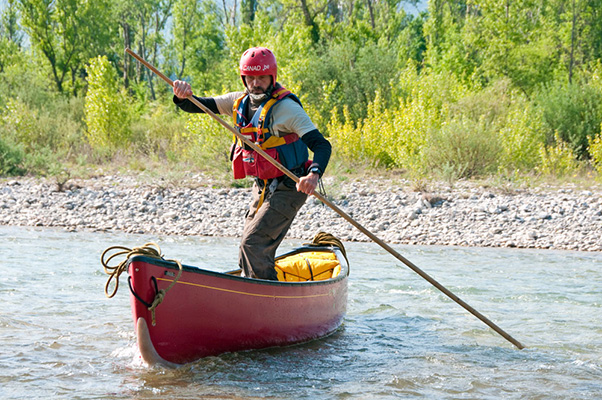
(255, 67)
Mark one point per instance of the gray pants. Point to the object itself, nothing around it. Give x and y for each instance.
(266, 227)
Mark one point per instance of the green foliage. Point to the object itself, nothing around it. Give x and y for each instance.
(66, 33)
(557, 159)
(521, 137)
(106, 108)
(595, 149)
(205, 144)
(198, 43)
(396, 137)
(44, 161)
(351, 75)
(156, 132)
(463, 148)
(11, 157)
(44, 138)
(25, 80)
(573, 111)
(20, 122)
(9, 53)
(425, 101)
(464, 90)
(55, 128)
(490, 104)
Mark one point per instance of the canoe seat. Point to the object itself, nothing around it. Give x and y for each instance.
(308, 266)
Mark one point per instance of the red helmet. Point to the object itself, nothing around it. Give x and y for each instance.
(258, 61)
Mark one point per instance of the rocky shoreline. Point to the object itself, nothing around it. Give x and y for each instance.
(466, 215)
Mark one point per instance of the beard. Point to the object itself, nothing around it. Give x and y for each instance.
(257, 99)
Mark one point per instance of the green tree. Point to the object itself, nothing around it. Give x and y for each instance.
(571, 113)
(9, 23)
(142, 24)
(10, 35)
(106, 108)
(592, 29)
(196, 48)
(248, 9)
(66, 32)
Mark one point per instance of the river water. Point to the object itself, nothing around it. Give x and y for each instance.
(60, 338)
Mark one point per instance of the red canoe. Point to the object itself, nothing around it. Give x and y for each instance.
(207, 313)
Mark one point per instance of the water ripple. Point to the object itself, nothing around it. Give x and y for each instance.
(61, 338)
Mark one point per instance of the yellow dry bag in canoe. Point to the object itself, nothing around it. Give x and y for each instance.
(308, 266)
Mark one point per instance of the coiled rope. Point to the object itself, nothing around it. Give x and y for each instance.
(149, 250)
(328, 239)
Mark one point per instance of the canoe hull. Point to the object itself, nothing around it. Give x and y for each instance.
(207, 313)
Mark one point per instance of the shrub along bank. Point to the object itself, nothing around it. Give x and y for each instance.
(512, 91)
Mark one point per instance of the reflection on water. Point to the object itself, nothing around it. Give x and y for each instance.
(61, 338)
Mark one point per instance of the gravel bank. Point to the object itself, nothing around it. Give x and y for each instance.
(567, 219)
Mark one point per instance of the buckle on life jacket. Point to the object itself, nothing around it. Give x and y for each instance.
(280, 93)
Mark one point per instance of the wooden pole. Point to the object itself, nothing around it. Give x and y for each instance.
(365, 231)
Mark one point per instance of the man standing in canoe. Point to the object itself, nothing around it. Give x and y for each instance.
(273, 118)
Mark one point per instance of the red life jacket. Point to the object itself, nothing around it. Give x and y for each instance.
(288, 150)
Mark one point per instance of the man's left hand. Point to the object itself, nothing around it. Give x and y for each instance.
(307, 184)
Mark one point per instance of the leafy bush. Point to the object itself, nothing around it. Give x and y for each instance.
(347, 75)
(43, 137)
(43, 161)
(490, 105)
(558, 159)
(11, 157)
(595, 149)
(374, 135)
(411, 124)
(25, 81)
(574, 111)
(397, 136)
(155, 133)
(424, 103)
(463, 148)
(345, 143)
(106, 108)
(205, 144)
(56, 126)
(20, 122)
(521, 137)
(389, 138)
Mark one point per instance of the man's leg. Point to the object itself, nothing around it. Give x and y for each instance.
(266, 227)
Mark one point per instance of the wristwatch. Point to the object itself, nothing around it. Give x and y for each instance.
(315, 170)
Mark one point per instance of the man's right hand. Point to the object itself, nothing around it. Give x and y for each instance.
(181, 89)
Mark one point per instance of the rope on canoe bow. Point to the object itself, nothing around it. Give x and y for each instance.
(115, 271)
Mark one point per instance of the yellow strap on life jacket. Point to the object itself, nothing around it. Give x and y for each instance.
(248, 133)
(235, 106)
(266, 108)
(251, 129)
(273, 140)
(262, 195)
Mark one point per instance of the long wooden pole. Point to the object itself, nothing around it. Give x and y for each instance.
(365, 231)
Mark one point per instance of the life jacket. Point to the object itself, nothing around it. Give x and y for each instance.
(287, 150)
